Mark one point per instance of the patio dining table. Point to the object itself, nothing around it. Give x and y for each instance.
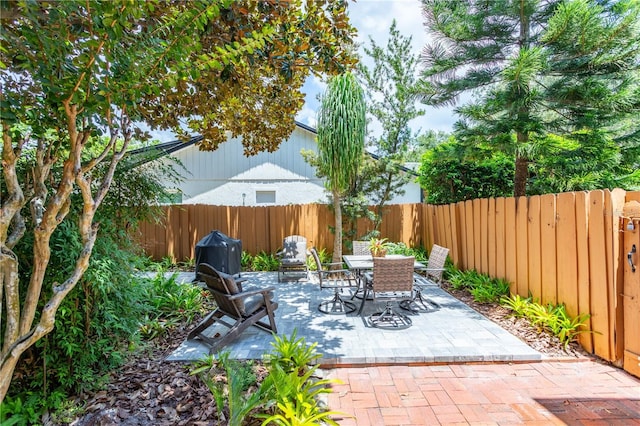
(360, 263)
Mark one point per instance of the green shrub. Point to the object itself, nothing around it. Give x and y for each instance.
(288, 395)
(265, 262)
(549, 318)
(401, 248)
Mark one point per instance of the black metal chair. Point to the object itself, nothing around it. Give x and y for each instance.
(336, 279)
(245, 307)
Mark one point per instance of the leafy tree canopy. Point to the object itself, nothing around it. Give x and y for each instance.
(76, 76)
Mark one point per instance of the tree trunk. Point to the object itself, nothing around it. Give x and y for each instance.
(521, 177)
(337, 242)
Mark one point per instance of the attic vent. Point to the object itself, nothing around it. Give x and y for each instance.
(265, 197)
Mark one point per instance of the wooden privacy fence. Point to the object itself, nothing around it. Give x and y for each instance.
(558, 248)
(264, 228)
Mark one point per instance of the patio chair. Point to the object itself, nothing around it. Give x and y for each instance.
(431, 275)
(245, 307)
(391, 281)
(361, 248)
(337, 280)
(293, 256)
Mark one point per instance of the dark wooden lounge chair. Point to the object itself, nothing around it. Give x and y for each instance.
(246, 308)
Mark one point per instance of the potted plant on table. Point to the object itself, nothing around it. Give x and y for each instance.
(378, 247)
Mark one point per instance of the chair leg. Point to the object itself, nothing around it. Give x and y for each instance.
(389, 319)
(336, 306)
(419, 304)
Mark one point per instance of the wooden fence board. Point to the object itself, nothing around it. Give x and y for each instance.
(598, 273)
(471, 245)
(616, 323)
(477, 241)
(582, 246)
(453, 220)
(501, 271)
(511, 262)
(491, 237)
(534, 246)
(463, 261)
(484, 236)
(446, 219)
(567, 259)
(548, 247)
(522, 252)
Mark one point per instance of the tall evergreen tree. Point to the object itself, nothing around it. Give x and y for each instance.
(535, 66)
(391, 87)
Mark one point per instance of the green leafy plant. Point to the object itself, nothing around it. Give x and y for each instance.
(324, 257)
(488, 290)
(297, 398)
(517, 304)
(378, 246)
(246, 260)
(237, 385)
(292, 354)
(401, 248)
(549, 318)
(265, 262)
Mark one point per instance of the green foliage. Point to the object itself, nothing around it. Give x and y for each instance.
(265, 262)
(390, 86)
(172, 300)
(483, 288)
(288, 395)
(535, 68)
(292, 354)
(323, 255)
(15, 411)
(585, 160)
(401, 248)
(246, 260)
(450, 173)
(341, 131)
(297, 399)
(237, 385)
(549, 318)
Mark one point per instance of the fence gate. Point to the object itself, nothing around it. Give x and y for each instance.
(631, 289)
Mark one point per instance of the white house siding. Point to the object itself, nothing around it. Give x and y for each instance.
(221, 177)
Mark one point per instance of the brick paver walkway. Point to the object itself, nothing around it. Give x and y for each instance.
(545, 393)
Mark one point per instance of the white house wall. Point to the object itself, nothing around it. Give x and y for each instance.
(227, 177)
(221, 177)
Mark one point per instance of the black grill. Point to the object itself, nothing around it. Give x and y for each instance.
(219, 251)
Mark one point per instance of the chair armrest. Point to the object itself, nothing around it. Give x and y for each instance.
(339, 271)
(251, 293)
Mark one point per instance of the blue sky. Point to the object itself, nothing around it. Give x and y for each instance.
(373, 19)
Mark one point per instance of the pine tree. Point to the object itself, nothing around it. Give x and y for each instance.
(535, 66)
